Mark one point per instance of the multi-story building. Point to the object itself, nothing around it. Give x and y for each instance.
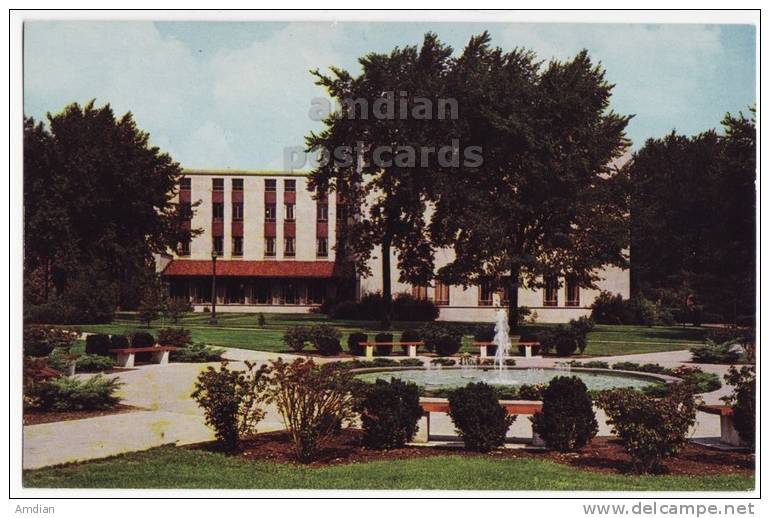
(275, 252)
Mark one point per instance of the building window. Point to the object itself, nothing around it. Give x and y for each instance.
(571, 291)
(551, 292)
(323, 212)
(289, 294)
(237, 184)
(441, 294)
(218, 184)
(290, 185)
(315, 293)
(322, 247)
(342, 212)
(185, 211)
(185, 184)
(420, 292)
(217, 245)
(270, 212)
(269, 247)
(485, 294)
(289, 212)
(219, 210)
(288, 247)
(262, 293)
(269, 185)
(237, 246)
(238, 211)
(184, 248)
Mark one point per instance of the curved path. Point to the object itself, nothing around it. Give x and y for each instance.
(170, 416)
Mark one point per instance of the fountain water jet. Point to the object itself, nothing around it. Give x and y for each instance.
(501, 339)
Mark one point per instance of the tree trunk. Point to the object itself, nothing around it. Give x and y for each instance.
(513, 297)
(386, 295)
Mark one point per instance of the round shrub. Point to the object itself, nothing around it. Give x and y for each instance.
(531, 392)
(383, 350)
(119, 342)
(93, 363)
(295, 337)
(142, 339)
(480, 420)
(389, 411)
(567, 422)
(354, 343)
(326, 339)
(98, 344)
(441, 339)
(409, 335)
(175, 336)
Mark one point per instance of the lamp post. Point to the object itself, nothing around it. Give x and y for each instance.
(213, 318)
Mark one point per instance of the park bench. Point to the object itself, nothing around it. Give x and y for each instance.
(126, 356)
(439, 405)
(483, 347)
(410, 346)
(729, 435)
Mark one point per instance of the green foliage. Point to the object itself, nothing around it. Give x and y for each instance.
(567, 339)
(231, 401)
(567, 422)
(743, 401)
(712, 352)
(442, 339)
(313, 400)
(296, 337)
(261, 322)
(480, 420)
(326, 339)
(64, 394)
(174, 336)
(530, 392)
(119, 342)
(93, 363)
(152, 304)
(650, 428)
(196, 353)
(176, 308)
(407, 308)
(142, 339)
(354, 343)
(444, 362)
(383, 350)
(40, 340)
(593, 364)
(389, 412)
(99, 344)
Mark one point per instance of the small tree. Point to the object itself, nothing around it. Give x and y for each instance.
(651, 429)
(743, 401)
(313, 400)
(389, 411)
(296, 337)
(150, 306)
(261, 320)
(480, 420)
(567, 422)
(231, 401)
(177, 307)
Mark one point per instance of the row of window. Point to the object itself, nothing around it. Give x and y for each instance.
(218, 184)
(487, 291)
(289, 247)
(218, 211)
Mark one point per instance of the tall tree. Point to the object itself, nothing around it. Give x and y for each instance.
(546, 200)
(96, 194)
(372, 145)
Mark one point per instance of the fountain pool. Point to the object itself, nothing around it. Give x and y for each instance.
(447, 378)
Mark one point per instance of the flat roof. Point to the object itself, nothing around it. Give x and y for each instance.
(242, 172)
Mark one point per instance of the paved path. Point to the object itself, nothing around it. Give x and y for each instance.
(170, 416)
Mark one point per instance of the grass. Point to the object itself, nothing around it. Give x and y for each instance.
(170, 467)
(240, 330)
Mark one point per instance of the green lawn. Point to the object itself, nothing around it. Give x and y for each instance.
(240, 330)
(170, 467)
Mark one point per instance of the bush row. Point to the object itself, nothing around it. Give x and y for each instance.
(372, 307)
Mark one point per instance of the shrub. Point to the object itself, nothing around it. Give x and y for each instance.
(531, 392)
(610, 309)
(142, 339)
(39, 341)
(441, 339)
(261, 320)
(345, 310)
(444, 362)
(98, 344)
(409, 335)
(743, 401)
(567, 422)
(314, 402)
(580, 329)
(593, 364)
(196, 353)
(712, 352)
(231, 401)
(326, 339)
(65, 394)
(480, 420)
(119, 342)
(296, 337)
(651, 429)
(354, 343)
(653, 368)
(176, 307)
(54, 312)
(484, 333)
(93, 363)
(389, 411)
(410, 362)
(406, 307)
(175, 336)
(697, 379)
(383, 350)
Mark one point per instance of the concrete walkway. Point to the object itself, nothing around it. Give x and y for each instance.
(170, 416)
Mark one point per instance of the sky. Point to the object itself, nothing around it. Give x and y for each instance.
(238, 94)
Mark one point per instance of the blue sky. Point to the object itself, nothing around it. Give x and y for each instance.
(235, 95)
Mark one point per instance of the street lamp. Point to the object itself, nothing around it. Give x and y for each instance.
(213, 318)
